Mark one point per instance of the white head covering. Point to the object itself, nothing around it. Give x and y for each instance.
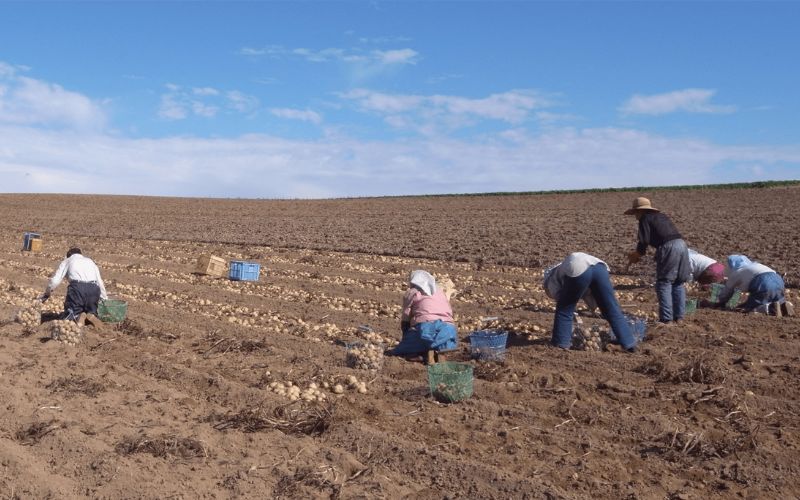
(424, 281)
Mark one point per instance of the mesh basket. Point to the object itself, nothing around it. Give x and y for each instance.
(638, 327)
(450, 382)
(691, 306)
(488, 345)
(112, 311)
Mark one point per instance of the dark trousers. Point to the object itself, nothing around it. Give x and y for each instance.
(81, 297)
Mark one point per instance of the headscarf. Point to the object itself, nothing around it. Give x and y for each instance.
(738, 261)
(423, 281)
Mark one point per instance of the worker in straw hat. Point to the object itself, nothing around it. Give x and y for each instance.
(85, 290)
(765, 288)
(673, 268)
(427, 318)
(583, 276)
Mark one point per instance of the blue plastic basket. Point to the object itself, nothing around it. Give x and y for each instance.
(488, 345)
(244, 271)
(27, 237)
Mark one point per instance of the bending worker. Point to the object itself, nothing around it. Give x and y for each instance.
(764, 287)
(672, 258)
(85, 288)
(582, 276)
(427, 319)
(705, 270)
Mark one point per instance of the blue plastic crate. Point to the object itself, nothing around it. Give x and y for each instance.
(488, 345)
(244, 271)
(27, 237)
(638, 327)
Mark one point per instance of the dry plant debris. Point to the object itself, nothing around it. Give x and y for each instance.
(163, 446)
(293, 418)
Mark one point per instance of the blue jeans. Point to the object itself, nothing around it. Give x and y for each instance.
(763, 289)
(431, 335)
(596, 280)
(671, 300)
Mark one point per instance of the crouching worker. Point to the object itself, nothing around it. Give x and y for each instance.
(85, 288)
(427, 320)
(705, 270)
(764, 287)
(582, 276)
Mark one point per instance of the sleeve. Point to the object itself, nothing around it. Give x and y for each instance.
(644, 236)
(103, 294)
(58, 277)
(408, 298)
(734, 282)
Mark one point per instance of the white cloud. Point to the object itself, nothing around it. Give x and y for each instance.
(241, 102)
(387, 58)
(687, 100)
(265, 166)
(401, 56)
(28, 101)
(428, 114)
(297, 114)
(205, 91)
(179, 104)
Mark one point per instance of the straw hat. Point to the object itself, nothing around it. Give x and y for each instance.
(640, 203)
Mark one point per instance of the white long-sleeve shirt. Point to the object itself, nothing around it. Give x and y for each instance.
(574, 265)
(740, 279)
(78, 268)
(699, 263)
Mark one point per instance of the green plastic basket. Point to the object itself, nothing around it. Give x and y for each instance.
(691, 306)
(112, 310)
(449, 381)
(716, 290)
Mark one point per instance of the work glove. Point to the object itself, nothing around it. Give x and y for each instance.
(634, 257)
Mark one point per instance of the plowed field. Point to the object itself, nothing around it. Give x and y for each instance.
(179, 400)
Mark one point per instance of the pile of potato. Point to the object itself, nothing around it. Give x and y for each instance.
(31, 316)
(66, 331)
(366, 356)
(587, 338)
(293, 392)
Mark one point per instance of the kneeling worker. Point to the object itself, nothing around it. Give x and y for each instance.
(765, 288)
(705, 270)
(85, 288)
(582, 276)
(427, 320)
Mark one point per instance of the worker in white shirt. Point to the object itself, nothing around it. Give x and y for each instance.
(764, 287)
(85, 290)
(705, 270)
(582, 276)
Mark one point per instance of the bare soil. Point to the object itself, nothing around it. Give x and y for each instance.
(175, 402)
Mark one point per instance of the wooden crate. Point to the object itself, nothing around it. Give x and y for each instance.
(36, 245)
(211, 265)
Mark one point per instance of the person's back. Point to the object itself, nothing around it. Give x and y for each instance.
(429, 307)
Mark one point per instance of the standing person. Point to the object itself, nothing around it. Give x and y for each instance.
(705, 270)
(765, 288)
(85, 288)
(672, 258)
(582, 276)
(427, 319)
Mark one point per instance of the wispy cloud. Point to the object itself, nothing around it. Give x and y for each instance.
(179, 103)
(50, 160)
(332, 54)
(305, 115)
(28, 101)
(687, 100)
(429, 113)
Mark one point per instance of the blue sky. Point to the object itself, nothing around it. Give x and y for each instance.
(328, 99)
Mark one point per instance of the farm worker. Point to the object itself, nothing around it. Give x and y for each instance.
(85, 288)
(763, 286)
(672, 258)
(582, 276)
(427, 319)
(705, 270)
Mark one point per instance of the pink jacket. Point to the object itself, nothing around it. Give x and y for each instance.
(419, 308)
